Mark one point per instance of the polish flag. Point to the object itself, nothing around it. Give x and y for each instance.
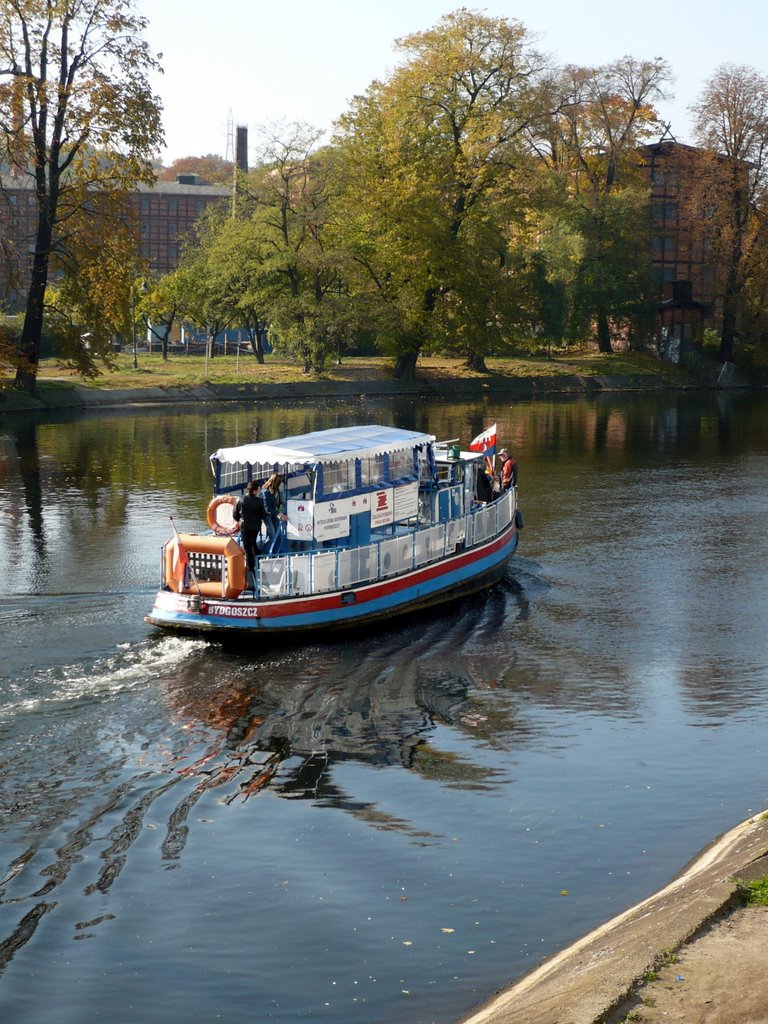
(485, 442)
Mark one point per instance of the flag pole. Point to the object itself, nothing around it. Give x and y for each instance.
(189, 563)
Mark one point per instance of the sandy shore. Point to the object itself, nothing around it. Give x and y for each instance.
(692, 952)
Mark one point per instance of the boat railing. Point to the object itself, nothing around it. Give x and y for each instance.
(296, 574)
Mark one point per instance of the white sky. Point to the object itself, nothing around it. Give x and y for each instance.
(263, 61)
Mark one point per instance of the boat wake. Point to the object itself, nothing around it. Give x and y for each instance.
(132, 666)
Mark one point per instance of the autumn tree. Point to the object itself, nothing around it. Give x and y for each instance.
(90, 303)
(78, 116)
(729, 200)
(211, 168)
(437, 177)
(596, 189)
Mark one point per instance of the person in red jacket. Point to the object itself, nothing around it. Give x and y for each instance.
(508, 471)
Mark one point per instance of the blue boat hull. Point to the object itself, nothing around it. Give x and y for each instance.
(446, 580)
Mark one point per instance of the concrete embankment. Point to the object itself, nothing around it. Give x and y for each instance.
(593, 980)
(57, 396)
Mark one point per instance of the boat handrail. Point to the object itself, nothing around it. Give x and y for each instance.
(311, 572)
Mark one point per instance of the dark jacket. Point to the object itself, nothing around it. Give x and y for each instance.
(250, 512)
(271, 504)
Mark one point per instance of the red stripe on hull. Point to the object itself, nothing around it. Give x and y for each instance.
(267, 615)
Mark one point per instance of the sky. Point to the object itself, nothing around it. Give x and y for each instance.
(257, 63)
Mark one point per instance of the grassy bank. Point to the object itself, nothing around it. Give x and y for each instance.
(191, 371)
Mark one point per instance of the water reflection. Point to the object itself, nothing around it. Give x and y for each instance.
(311, 708)
(28, 456)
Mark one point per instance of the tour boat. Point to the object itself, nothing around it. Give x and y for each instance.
(376, 522)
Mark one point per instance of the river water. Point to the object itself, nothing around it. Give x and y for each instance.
(391, 826)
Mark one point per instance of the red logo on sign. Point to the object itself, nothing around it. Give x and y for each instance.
(381, 501)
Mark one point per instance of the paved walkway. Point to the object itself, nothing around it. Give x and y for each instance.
(599, 978)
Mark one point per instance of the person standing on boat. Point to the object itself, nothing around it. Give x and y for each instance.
(249, 512)
(270, 495)
(508, 471)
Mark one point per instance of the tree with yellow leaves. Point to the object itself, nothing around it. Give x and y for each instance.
(78, 121)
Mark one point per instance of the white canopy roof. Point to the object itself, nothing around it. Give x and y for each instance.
(324, 446)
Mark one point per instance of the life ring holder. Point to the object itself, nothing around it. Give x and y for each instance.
(222, 529)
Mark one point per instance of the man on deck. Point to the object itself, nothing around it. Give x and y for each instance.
(250, 513)
(508, 471)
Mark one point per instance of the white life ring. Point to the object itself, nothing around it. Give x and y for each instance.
(223, 523)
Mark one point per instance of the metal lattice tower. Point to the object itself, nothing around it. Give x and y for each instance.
(229, 151)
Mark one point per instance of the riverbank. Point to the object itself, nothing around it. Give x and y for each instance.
(692, 953)
(181, 380)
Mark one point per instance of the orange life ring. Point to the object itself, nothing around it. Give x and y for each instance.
(179, 548)
(223, 525)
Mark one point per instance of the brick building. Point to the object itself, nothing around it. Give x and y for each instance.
(684, 274)
(166, 213)
(163, 214)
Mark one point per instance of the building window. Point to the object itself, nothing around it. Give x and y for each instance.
(664, 246)
(664, 211)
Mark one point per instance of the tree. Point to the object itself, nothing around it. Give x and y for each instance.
(159, 302)
(91, 301)
(237, 259)
(220, 281)
(294, 273)
(78, 115)
(438, 176)
(211, 167)
(731, 120)
(200, 296)
(590, 146)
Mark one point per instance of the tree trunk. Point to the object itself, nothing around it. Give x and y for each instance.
(29, 346)
(405, 365)
(476, 361)
(730, 314)
(603, 332)
(261, 338)
(256, 338)
(167, 335)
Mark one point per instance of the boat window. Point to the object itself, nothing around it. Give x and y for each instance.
(372, 470)
(339, 476)
(401, 464)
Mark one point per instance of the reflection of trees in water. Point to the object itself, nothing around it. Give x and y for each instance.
(25, 436)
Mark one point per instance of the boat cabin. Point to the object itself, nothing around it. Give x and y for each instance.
(348, 486)
(361, 504)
